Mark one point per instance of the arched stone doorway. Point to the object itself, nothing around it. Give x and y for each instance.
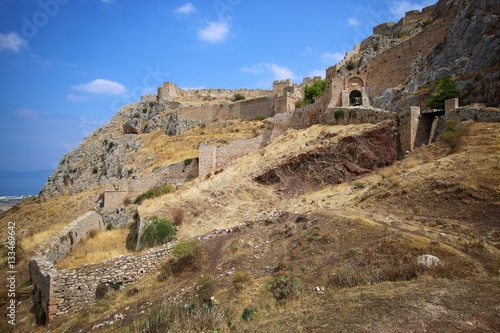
(355, 98)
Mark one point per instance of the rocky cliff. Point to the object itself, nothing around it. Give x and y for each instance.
(469, 54)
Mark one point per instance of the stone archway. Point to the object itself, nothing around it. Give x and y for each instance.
(355, 98)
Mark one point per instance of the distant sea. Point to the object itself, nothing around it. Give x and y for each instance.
(15, 183)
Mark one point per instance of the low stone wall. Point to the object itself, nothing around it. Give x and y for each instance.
(70, 236)
(42, 273)
(473, 113)
(76, 289)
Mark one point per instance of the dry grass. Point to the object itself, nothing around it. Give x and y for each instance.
(364, 237)
(104, 245)
(160, 149)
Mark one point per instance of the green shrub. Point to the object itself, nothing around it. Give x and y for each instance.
(446, 89)
(284, 286)
(359, 185)
(188, 255)
(153, 193)
(338, 114)
(158, 232)
(238, 97)
(248, 313)
(260, 117)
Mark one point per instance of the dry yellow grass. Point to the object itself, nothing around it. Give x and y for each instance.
(160, 150)
(104, 245)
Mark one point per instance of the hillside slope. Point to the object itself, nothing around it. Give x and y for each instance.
(353, 246)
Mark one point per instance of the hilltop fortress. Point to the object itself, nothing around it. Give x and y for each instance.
(387, 76)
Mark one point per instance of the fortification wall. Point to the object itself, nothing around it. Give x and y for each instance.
(75, 289)
(392, 67)
(70, 236)
(236, 149)
(117, 190)
(42, 273)
(355, 115)
(258, 107)
(474, 113)
(207, 156)
(171, 91)
(213, 158)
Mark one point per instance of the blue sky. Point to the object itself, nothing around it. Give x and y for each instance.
(67, 66)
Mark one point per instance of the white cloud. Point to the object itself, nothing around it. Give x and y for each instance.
(76, 98)
(399, 8)
(12, 42)
(279, 72)
(332, 57)
(102, 86)
(308, 50)
(282, 73)
(186, 9)
(353, 22)
(215, 32)
(317, 72)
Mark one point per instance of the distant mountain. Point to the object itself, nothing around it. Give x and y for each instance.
(17, 183)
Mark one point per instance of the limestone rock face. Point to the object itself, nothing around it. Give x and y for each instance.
(109, 151)
(469, 54)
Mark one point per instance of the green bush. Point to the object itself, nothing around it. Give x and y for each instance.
(238, 97)
(284, 286)
(188, 255)
(158, 232)
(248, 313)
(446, 89)
(260, 117)
(153, 193)
(338, 114)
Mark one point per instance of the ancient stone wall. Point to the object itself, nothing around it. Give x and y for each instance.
(207, 156)
(117, 190)
(392, 67)
(480, 114)
(70, 236)
(213, 158)
(171, 91)
(408, 125)
(75, 289)
(42, 273)
(254, 108)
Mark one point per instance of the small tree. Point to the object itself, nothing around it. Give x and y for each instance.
(446, 89)
(160, 231)
(238, 97)
(311, 92)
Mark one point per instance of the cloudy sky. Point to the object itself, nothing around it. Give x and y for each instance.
(66, 66)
